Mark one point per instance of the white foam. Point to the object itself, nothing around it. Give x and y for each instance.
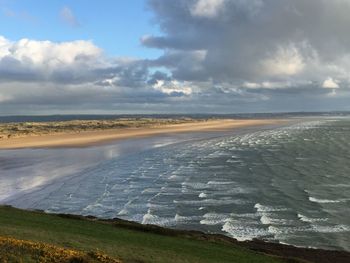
(277, 230)
(226, 201)
(157, 206)
(264, 208)
(265, 220)
(202, 195)
(246, 216)
(214, 219)
(123, 212)
(243, 232)
(179, 218)
(149, 218)
(331, 229)
(311, 220)
(325, 201)
(233, 161)
(97, 208)
(219, 183)
(281, 232)
(175, 177)
(194, 185)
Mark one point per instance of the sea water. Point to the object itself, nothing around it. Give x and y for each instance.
(289, 183)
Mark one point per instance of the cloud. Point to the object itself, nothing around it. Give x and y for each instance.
(269, 47)
(286, 61)
(68, 17)
(330, 84)
(173, 87)
(76, 75)
(20, 15)
(218, 56)
(255, 40)
(207, 8)
(31, 60)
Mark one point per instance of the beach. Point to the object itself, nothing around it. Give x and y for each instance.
(234, 180)
(88, 138)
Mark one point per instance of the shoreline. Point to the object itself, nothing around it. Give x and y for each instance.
(90, 138)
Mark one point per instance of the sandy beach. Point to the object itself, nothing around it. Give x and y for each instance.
(87, 138)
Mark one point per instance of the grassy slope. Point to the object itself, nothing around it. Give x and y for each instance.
(126, 244)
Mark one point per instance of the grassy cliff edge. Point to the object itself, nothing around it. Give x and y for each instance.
(132, 242)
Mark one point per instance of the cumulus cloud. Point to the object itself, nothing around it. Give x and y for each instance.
(31, 60)
(67, 74)
(330, 84)
(173, 87)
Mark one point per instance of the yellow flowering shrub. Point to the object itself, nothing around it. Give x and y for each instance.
(18, 251)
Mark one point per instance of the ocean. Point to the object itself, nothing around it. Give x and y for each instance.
(287, 183)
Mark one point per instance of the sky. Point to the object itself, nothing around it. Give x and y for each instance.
(173, 56)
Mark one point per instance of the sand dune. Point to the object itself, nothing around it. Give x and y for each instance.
(86, 138)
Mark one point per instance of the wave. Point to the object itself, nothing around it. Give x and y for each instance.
(282, 232)
(326, 201)
(151, 219)
(214, 219)
(194, 185)
(202, 195)
(331, 229)
(227, 201)
(265, 208)
(244, 232)
(311, 220)
(179, 218)
(219, 182)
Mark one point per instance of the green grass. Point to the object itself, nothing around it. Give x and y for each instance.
(119, 242)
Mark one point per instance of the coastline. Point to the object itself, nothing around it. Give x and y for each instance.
(89, 138)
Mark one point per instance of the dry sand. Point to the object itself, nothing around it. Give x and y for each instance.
(87, 138)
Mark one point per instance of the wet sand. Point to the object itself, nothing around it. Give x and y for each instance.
(88, 138)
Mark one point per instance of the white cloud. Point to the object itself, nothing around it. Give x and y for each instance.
(32, 59)
(36, 75)
(285, 61)
(207, 8)
(52, 54)
(173, 87)
(267, 85)
(4, 47)
(330, 83)
(68, 17)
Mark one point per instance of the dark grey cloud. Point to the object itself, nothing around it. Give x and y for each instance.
(254, 40)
